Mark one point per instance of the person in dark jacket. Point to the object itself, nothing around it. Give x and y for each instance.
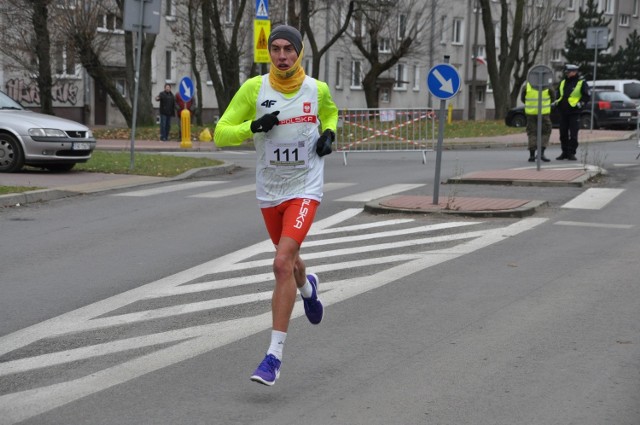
(167, 109)
(573, 94)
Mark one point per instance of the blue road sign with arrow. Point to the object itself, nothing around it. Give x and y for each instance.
(443, 81)
(186, 89)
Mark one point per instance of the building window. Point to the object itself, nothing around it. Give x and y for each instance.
(384, 45)
(170, 8)
(635, 8)
(228, 12)
(457, 34)
(169, 66)
(339, 73)
(480, 51)
(606, 6)
(443, 33)
(64, 60)
(356, 74)
(558, 14)
(121, 86)
(401, 77)
(571, 4)
(557, 55)
(624, 20)
(479, 95)
(385, 95)
(110, 22)
(416, 78)
(402, 27)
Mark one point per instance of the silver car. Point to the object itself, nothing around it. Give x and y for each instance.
(45, 141)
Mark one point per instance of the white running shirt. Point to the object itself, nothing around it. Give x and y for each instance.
(288, 166)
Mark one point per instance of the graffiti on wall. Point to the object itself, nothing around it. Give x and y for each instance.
(28, 92)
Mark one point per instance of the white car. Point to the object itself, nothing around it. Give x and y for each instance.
(39, 140)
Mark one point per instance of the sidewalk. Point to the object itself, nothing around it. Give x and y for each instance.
(61, 185)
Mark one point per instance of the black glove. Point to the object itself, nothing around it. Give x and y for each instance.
(265, 123)
(323, 145)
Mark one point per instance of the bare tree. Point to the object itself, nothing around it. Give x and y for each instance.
(397, 24)
(187, 39)
(224, 38)
(306, 16)
(501, 64)
(97, 53)
(26, 41)
(537, 25)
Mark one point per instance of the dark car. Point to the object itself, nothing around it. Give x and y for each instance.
(611, 109)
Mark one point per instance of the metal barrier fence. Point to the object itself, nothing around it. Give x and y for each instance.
(385, 130)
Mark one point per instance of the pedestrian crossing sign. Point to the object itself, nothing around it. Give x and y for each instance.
(262, 9)
(261, 31)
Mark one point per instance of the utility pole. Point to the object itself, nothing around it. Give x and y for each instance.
(474, 65)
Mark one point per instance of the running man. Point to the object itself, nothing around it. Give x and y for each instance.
(283, 111)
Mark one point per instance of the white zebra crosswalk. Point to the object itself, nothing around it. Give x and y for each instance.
(248, 188)
(216, 303)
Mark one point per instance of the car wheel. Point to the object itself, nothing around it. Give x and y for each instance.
(58, 168)
(585, 122)
(519, 120)
(11, 155)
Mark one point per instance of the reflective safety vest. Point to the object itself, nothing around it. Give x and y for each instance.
(531, 101)
(575, 95)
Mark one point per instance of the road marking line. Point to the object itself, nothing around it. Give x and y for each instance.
(167, 189)
(390, 233)
(602, 225)
(226, 192)
(380, 193)
(593, 199)
(386, 223)
(18, 406)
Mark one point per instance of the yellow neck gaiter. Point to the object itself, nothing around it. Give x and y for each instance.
(288, 81)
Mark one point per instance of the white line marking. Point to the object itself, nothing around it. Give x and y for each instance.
(196, 340)
(593, 199)
(602, 225)
(167, 189)
(226, 192)
(335, 186)
(380, 193)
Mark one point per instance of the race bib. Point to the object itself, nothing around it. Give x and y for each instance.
(286, 154)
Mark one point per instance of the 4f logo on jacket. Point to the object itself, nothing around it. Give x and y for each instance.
(268, 103)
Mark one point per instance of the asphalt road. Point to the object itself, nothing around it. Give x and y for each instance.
(151, 306)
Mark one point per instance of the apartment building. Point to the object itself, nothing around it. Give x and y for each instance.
(451, 28)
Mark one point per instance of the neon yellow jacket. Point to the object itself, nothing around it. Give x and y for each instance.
(234, 126)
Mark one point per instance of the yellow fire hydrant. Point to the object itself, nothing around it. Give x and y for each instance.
(185, 124)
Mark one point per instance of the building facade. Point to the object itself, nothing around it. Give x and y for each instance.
(451, 28)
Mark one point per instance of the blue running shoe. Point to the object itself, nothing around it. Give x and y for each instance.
(312, 306)
(268, 371)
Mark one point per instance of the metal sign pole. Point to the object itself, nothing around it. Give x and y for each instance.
(540, 78)
(443, 81)
(137, 84)
(595, 67)
(436, 181)
(539, 132)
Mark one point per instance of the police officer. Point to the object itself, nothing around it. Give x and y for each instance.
(573, 94)
(529, 96)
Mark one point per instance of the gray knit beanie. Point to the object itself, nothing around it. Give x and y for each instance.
(288, 33)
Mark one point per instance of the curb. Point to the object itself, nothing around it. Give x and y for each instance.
(525, 210)
(42, 195)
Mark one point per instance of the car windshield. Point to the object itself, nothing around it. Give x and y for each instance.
(612, 96)
(7, 103)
